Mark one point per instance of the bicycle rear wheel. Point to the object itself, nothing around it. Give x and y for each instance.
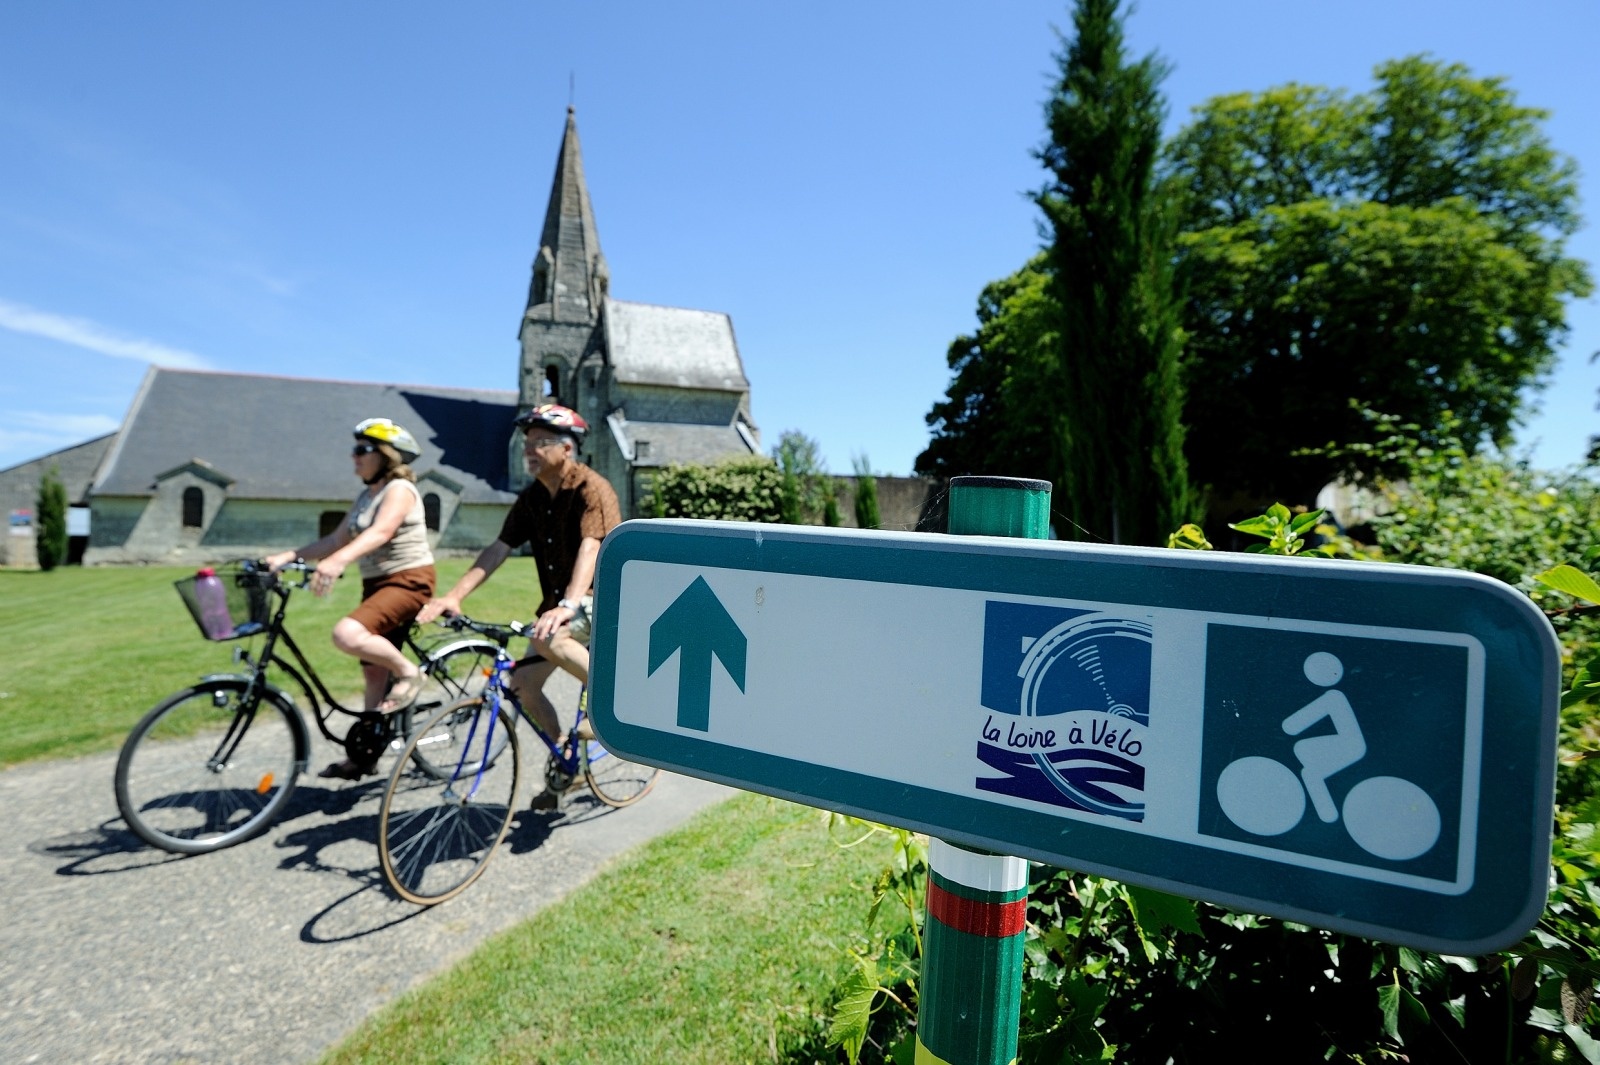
(438, 827)
(615, 780)
(455, 674)
(209, 767)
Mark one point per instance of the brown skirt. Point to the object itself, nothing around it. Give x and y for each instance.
(388, 604)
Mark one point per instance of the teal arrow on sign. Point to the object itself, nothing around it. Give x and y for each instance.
(699, 625)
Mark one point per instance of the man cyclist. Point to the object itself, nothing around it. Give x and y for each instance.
(563, 515)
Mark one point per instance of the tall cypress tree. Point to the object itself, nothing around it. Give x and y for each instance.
(51, 540)
(1115, 411)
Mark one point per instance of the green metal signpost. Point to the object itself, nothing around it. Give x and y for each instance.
(1367, 748)
(970, 1003)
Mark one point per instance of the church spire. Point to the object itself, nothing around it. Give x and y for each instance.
(569, 273)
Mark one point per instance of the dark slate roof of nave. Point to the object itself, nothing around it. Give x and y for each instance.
(290, 438)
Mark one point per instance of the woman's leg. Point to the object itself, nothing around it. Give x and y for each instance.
(379, 658)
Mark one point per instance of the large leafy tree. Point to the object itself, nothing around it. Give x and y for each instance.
(1398, 251)
(1117, 438)
(993, 420)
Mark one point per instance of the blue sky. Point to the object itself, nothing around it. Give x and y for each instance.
(313, 190)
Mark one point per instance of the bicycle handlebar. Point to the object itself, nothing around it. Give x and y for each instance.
(500, 634)
(258, 568)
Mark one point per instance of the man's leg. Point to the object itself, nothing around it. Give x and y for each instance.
(565, 652)
(529, 681)
(571, 655)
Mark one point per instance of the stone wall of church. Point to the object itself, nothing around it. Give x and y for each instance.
(133, 529)
(473, 527)
(139, 529)
(546, 343)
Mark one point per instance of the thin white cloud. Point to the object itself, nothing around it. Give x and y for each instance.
(43, 421)
(82, 333)
(26, 435)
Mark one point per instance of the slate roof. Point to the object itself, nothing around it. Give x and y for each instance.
(673, 346)
(289, 438)
(680, 442)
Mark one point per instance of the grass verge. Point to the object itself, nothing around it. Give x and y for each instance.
(692, 949)
(85, 652)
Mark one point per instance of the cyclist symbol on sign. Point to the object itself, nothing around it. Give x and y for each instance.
(1386, 816)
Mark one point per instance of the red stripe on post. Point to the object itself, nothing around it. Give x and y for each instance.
(993, 919)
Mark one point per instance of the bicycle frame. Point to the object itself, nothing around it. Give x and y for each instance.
(319, 701)
(499, 689)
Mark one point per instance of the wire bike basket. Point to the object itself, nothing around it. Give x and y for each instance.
(244, 598)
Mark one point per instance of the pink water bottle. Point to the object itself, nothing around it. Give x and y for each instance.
(213, 602)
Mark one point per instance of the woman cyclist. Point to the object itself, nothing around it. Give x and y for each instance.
(386, 532)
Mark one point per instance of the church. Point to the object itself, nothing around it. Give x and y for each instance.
(210, 466)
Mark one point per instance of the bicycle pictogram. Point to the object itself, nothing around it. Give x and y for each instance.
(1387, 816)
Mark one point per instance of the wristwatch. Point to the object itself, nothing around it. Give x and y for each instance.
(569, 604)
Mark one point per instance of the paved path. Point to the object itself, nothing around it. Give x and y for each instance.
(269, 952)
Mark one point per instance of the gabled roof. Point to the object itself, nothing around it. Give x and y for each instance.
(664, 443)
(290, 438)
(673, 346)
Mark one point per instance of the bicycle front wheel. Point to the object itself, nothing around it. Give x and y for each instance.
(615, 780)
(209, 767)
(438, 827)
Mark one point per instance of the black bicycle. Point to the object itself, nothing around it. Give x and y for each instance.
(215, 764)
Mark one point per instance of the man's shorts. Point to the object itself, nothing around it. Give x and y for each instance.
(579, 628)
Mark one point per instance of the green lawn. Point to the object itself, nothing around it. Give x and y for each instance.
(85, 652)
(711, 945)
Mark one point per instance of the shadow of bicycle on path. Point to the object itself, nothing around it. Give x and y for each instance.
(109, 847)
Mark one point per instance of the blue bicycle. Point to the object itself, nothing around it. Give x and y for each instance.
(437, 831)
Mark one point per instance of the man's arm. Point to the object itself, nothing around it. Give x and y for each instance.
(488, 560)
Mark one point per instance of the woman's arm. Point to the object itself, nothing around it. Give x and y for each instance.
(391, 512)
(314, 550)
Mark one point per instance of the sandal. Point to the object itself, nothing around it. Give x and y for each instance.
(345, 769)
(402, 693)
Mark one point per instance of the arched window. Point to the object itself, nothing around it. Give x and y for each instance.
(194, 508)
(430, 511)
(552, 382)
(541, 284)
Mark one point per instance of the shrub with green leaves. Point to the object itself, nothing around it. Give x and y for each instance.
(741, 490)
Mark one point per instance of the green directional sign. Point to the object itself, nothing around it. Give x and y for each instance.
(1365, 747)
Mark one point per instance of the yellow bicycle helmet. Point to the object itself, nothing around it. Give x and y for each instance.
(385, 431)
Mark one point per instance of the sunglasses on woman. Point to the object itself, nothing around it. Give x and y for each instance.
(363, 449)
